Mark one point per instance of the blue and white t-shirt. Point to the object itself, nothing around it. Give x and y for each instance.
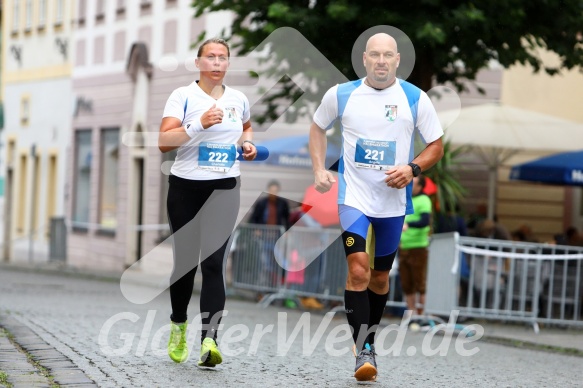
(377, 133)
(212, 153)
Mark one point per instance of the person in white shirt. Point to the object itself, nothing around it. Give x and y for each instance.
(207, 122)
(378, 116)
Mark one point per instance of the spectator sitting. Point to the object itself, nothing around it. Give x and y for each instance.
(570, 237)
(490, 229)
(451, 221)
(478, 216)
(524, 233)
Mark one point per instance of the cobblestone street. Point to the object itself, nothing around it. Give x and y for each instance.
(84, 333)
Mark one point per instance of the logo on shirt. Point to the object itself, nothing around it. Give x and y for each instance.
(349, 241)
(231, 114)
(391, 112)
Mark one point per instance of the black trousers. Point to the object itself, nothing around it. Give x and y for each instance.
(202, 215)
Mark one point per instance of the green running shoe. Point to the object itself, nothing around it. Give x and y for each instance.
(177, 347)
(209, 353)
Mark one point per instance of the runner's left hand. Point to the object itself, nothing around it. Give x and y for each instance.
(399, 177)
(249, 151)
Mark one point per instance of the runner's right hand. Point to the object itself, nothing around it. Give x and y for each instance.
(211, 117)
(323, 180)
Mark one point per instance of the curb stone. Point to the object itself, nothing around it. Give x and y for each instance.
(521, 344)
(29, 361)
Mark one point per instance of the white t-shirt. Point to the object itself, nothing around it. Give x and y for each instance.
(209, 154)
(380, 124)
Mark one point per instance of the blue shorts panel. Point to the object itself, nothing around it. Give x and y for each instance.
(387, 230)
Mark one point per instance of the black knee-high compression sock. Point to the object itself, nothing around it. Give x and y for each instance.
(357, 312)
(377, 305)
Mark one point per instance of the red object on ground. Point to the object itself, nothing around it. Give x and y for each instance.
(324, 207)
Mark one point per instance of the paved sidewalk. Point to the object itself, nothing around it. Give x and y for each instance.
(16, 368)
(569, 340)
(28, 361)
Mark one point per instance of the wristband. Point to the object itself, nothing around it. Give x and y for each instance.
(193, 128)
(248, 141)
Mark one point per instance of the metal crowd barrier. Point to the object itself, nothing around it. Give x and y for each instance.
(506, 280)
(255, 268)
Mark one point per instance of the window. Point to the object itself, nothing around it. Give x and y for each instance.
(28, 16)
(25, 111)
(15, 16)
(99, 50)
(170, 33)
(121, 6)
(59, 13)
(82, 12)
(100, 11)
(145, 7)
(37, 191)
(109, 156)
(79, 61)
(21, 216)
(119, 51)
(82, 179)
(42, 13)
(11, 152)
(51, 193)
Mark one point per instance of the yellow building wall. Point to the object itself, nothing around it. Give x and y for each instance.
(560, 95)
(43, 34)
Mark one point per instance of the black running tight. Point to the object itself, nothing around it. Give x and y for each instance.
(202, 215)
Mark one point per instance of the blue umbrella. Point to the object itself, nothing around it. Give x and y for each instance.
(562, 169)
(292, 151)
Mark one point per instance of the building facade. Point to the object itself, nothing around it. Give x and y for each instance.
(36, 63)
(129, 57)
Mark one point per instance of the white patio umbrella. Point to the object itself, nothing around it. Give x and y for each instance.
(496, 132)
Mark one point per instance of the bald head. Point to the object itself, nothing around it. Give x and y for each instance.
(381, 60)
(382, 40)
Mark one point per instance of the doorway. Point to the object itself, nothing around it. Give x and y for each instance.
(139, 203)
(8, 213)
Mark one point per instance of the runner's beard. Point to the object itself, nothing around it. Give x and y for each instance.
(381, 78)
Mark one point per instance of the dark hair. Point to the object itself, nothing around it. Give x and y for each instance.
(273, 182)
(571, 232)
(519, 235)
(214, 40)
(421, 180)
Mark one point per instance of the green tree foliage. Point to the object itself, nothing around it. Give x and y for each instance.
(453, 39)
